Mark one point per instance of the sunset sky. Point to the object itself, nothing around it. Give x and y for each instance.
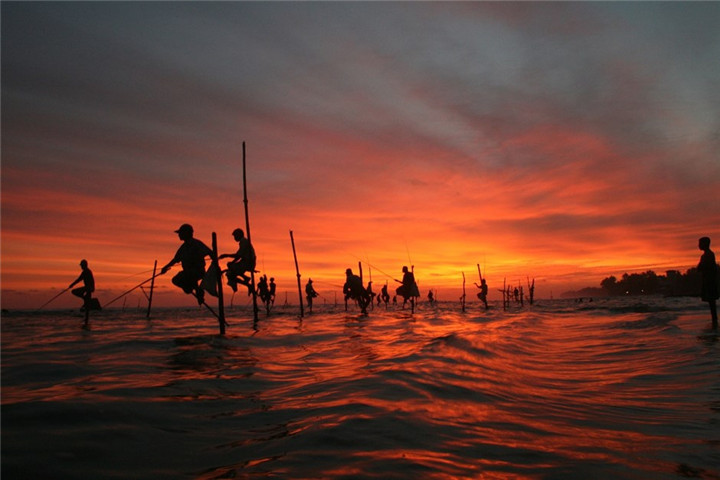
(564, 142)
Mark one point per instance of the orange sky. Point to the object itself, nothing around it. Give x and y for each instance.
(564, 142)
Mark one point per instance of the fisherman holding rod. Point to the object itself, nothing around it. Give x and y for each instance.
(408, 289)
(191, 255)
(482, 294)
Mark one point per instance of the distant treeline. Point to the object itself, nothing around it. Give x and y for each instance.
(673, 283)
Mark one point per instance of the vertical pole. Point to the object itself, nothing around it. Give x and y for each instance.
(297, 270)
(505, 300)
(361, 300)
(463, 295)
(412, 298)
(247, 230)
(152, 286)
(221, 304)
(372, 303)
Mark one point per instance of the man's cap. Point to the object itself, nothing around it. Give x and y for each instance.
(185, 228)
(238, 231)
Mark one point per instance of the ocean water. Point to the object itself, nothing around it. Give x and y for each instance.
(610, 389)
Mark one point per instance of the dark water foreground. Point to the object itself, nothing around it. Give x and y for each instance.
(610, 390)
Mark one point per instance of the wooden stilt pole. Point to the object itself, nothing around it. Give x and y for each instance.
(297, 270)
(372, 303)
(87, 312)
(463, 295)
(247, 231)
(412, 298)
(152, 286)
(362, 301)
(221, 305)
(506, 301)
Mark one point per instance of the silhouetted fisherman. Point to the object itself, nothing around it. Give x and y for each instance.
(263, 290)
(243, 261)
(191, 255)
(371, 294)
(482, 294)
(431, 297)
(85, 292)
(409, 288)
(354, 289)
(273, 289)
(310, 293)
(709, 269)
(385, 295)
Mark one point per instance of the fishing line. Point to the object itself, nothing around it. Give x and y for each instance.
(373, 266)
(408, 252)
(135, 274)
(136, 286)
(53, 298)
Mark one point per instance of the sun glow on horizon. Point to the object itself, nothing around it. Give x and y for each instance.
(489, 137)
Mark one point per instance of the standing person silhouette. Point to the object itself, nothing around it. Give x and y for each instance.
(243, 261)
(191, 255)
(85, 292)
(709, 270)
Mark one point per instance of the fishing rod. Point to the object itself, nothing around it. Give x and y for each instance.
(53, 298)
(133, 288)
(376, 268)
(408, 252)
(135, 274)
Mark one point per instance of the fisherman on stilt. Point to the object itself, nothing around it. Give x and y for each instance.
(191, 255)
(385, 295)
(273, 289)
(354, 289)
(263, 291)
(408, 289)
(243, 262)
(482, 294)
(85, 292)
(310, 293)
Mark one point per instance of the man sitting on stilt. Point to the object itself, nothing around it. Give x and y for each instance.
(243, 261)
(191, 255)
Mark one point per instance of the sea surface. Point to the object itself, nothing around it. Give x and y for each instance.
(610, 389)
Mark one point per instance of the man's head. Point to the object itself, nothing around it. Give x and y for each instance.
(185, 231)
(238, 234)
(704, 243)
